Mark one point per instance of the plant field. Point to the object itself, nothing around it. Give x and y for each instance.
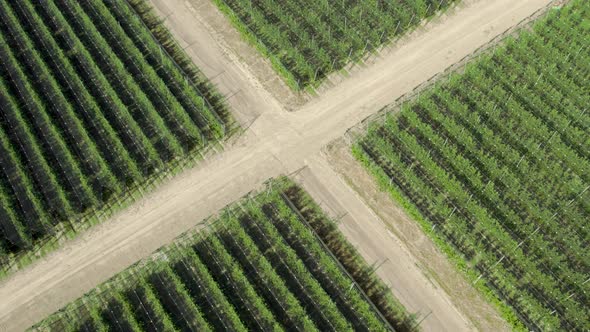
(95, 99)
(307, 40)
(496, 162)
(260, 266)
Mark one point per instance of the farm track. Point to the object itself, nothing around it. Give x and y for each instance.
(277, 142)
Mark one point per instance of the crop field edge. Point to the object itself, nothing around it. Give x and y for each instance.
(305, 207)
(73, 227)
(353, 135)
(168, 42)
(392, 110)
(286, 76)
(70, 229)
(306, 202)
(451, 253)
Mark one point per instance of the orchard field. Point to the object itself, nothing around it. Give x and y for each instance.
(307, 40)
(496, 163)
(95, 99)
(264, 263)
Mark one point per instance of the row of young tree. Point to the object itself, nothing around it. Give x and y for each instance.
(92, 104)
(497, 160)
(258, 266)
(307, 40)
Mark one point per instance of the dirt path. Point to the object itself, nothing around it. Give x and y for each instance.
(276, 142)
(397, 267)
(396, 224)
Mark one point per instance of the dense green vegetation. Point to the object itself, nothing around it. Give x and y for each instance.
(95, 100)
(307, 40)
(496, 162)
(260, 266)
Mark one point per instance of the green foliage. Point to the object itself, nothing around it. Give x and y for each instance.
(97, 100)
(495, 162)
(307, 40)
(259, 266)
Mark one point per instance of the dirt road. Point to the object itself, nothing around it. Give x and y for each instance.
(276, 142)
(368, 234)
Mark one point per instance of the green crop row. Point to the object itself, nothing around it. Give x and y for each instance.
(307, 40)
(97, 101)
(258, 266)
(496, 160)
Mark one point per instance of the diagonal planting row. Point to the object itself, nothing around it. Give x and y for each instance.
(307, 40)
(260, 266)
(497, 160)
(93, 103)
